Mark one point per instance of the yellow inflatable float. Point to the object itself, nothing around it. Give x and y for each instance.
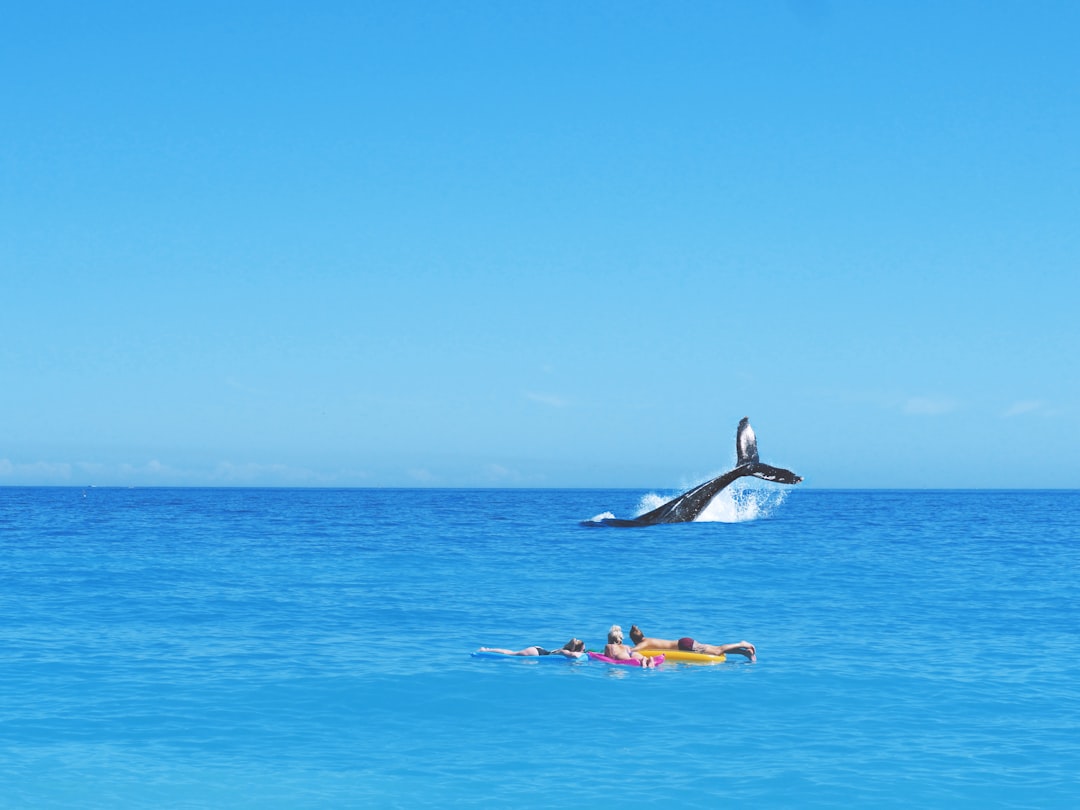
(683, 657)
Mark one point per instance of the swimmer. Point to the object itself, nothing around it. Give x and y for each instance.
(574, 648)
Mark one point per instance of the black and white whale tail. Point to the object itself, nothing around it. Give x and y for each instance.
(690, 504)
(747, 457)
(745, 443)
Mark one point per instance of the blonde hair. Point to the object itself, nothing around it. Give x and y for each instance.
(614, 635)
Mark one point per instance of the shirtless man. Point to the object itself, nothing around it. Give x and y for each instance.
(642, 642)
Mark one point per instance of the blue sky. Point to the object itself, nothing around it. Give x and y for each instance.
(539, 244)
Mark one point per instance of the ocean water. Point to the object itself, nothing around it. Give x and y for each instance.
(310, 648)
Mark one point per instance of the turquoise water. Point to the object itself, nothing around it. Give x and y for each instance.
(310, 648)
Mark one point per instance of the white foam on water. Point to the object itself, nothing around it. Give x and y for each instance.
(650, 502)
(740, 503)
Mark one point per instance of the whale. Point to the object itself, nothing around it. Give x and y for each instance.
(686, 507)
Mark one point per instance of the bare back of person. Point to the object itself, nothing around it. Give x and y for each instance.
(656, 644)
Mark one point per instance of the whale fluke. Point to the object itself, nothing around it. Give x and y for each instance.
(745, 443)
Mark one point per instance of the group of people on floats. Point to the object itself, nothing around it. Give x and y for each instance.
(575, 647)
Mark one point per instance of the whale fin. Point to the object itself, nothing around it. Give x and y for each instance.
(745, 443)
(777, 474)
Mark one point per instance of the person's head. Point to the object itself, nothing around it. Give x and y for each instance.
(636, 635)
(574, 645)
(614, 635)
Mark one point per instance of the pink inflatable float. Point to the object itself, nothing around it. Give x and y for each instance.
(629, 662)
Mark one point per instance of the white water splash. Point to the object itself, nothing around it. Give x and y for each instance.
(738, 503)
(650, 502)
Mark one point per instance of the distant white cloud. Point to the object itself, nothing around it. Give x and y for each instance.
(930, 406)
(38, 471)
(547, 399)
(1032, 407)
(156, 473)
(501, 475)
(153, 470)
(1023, 407)
(251, 472)
(421, 475)
(243, 388)
(497, 472)
(84, 472)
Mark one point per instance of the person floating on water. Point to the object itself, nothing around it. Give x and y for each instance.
(687, 644)
(574, 648)
(622, 652)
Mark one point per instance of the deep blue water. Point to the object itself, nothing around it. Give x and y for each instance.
(310, 648)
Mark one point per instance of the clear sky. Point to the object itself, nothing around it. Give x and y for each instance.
(539, 244)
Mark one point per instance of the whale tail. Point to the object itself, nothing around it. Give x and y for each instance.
(748, 462)
(767, 473)
(745, 443)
